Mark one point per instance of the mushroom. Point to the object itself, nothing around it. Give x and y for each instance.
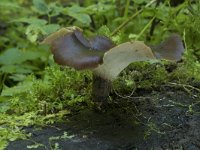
(100, 55)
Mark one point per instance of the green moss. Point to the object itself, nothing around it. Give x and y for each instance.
(44, 101)
(141, 75)
(147, 76)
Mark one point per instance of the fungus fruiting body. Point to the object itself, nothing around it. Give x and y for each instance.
(99, 54)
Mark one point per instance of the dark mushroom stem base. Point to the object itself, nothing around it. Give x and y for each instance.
(100, 91)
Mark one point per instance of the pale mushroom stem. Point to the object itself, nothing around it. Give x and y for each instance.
(101, 89)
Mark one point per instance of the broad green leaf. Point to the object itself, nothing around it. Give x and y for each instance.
(11, 56)
(4, 107)
(162, 13)
(83, 18)
(32, 20)
(4, 104)
(15, 56)
(55, 9)
(3, 143)
(9, 68)
(149, 12)
(23, 87)
(33, 30)
(15, 69)
(104, 30)
(50, 28)
(78, 13)
(9, 5)
(32, 36)
(99, 8)
(17, 77)
(140, 1)
(40, 6)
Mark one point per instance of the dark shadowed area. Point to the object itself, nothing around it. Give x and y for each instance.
(155, 120)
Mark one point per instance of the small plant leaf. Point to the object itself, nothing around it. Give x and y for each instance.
(16, 56)
(9, 5)
(50, 28)
(32, 20)
(78, 13)
(119, 57)
(41, 6)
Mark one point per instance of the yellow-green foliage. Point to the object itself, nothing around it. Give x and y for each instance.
(148, 76)
(43, 101)
(59, 88)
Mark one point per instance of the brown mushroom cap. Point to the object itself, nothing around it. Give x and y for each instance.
(71, 48)
(170, 49)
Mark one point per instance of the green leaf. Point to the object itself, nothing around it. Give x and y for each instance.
(37, 27)
(3, 143)
(163, 13)
(11, 56)
(9, 68)
(104, 30)
(149, 12)
(15, 56)
(32, 20)
(23, 87)
(17, 77)
(83, 18)
(78, 13)
(40, 6)
(100, 8)
(4, 107)
(139, 1)
(4, 104)
(11, 5)
(55, 9)
(32, 32)
(15, 69)
(50, 28)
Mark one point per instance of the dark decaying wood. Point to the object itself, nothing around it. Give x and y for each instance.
(100, 89)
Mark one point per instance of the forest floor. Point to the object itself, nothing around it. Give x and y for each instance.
(168, 118)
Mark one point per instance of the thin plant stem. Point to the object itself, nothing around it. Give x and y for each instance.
(126, 8)
(185, 86)
(4, 75)
(184, 39)
(49, 19)
(129, 19)
(145, 28)
(125, 23)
